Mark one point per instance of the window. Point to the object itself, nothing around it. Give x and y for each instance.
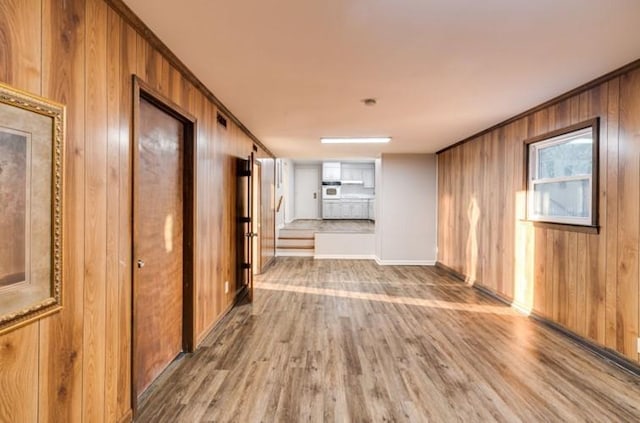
(562, 176)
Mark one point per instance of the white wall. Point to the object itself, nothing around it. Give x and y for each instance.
(406, 209)
(330, 245)
(285, 215)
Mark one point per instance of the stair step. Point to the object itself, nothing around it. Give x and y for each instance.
(296, 247)
(296, 233)
(295, 243)
(295, 252)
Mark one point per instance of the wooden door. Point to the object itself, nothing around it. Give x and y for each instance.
(158, 222)
(245, 233)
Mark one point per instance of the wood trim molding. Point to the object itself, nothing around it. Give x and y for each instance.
(591, 84)
(606, 354)
(136, 23)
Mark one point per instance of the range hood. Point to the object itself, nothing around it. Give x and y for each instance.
(351, 182)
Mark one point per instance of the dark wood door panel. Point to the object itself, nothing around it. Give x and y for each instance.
(158, 243)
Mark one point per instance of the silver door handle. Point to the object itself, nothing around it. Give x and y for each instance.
(140, 264)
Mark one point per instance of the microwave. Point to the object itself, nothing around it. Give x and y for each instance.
(330, 192)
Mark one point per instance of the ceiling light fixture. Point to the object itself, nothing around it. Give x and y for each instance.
(374, 140)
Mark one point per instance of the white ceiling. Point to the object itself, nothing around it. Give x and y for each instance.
(295, 70)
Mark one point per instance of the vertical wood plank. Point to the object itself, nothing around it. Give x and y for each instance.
(61, 335)
(19, 375)
(128, 54)
(95, 203)
(20, 50)
(113, 335)
(628, 223)
(594, 103)
(20, 67)
(611, 297)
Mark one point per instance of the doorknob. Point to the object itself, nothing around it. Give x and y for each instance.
(315, 195)
(140, 264)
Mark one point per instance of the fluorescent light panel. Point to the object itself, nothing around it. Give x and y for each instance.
(375, 140)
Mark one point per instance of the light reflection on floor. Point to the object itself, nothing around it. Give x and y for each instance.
(445, 305)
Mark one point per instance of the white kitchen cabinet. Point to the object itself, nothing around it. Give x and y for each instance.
(369, 177)
(346, 209)
(331, 171)
(331, 209)
(354, 209)
(360, 209)
(372, 210)
(353, 174)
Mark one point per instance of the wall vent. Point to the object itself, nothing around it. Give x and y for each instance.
(221, 120)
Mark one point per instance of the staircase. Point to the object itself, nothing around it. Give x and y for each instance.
(296, 242)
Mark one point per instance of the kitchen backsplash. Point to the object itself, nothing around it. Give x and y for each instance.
(357, 189)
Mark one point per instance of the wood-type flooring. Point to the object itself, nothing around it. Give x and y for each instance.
(351, 341)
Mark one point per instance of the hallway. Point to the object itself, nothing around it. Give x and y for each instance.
(353, 341)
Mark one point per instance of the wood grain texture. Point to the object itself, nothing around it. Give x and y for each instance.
(19, 375)
(158, 242)
(20, 67)
(112, 312)
(95, 198)
(353, 341)
(588, 283)
(61, 335)
(83, 53)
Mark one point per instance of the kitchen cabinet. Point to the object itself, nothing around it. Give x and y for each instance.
(358, 208)
(331, 171)
(372, 210)
(331, 209)
(369, 177)
(354, 209)
(352, 174)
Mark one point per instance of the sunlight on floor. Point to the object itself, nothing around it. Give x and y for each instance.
(445, 305)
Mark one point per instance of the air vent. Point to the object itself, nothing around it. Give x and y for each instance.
(222, 120)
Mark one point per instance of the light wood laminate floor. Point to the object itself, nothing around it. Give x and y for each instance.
(353, 341)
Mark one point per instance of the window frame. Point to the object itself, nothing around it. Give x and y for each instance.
(589, 224)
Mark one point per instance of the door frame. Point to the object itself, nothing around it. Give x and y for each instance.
(256, 217)
(142, 90)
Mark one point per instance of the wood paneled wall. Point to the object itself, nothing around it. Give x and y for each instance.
(586, 283)
(74, 366)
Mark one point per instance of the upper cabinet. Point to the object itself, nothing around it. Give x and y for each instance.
(369, 177)
(331, 171)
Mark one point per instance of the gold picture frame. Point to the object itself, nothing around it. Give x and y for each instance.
(31, 196)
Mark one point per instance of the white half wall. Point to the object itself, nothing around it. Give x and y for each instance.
(345, 245)
(406, 198)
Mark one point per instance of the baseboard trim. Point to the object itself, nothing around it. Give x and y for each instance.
(404, 262)
(344, 257)
(127, 417)
(606, 354)
(239, 296)
(294, 254)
